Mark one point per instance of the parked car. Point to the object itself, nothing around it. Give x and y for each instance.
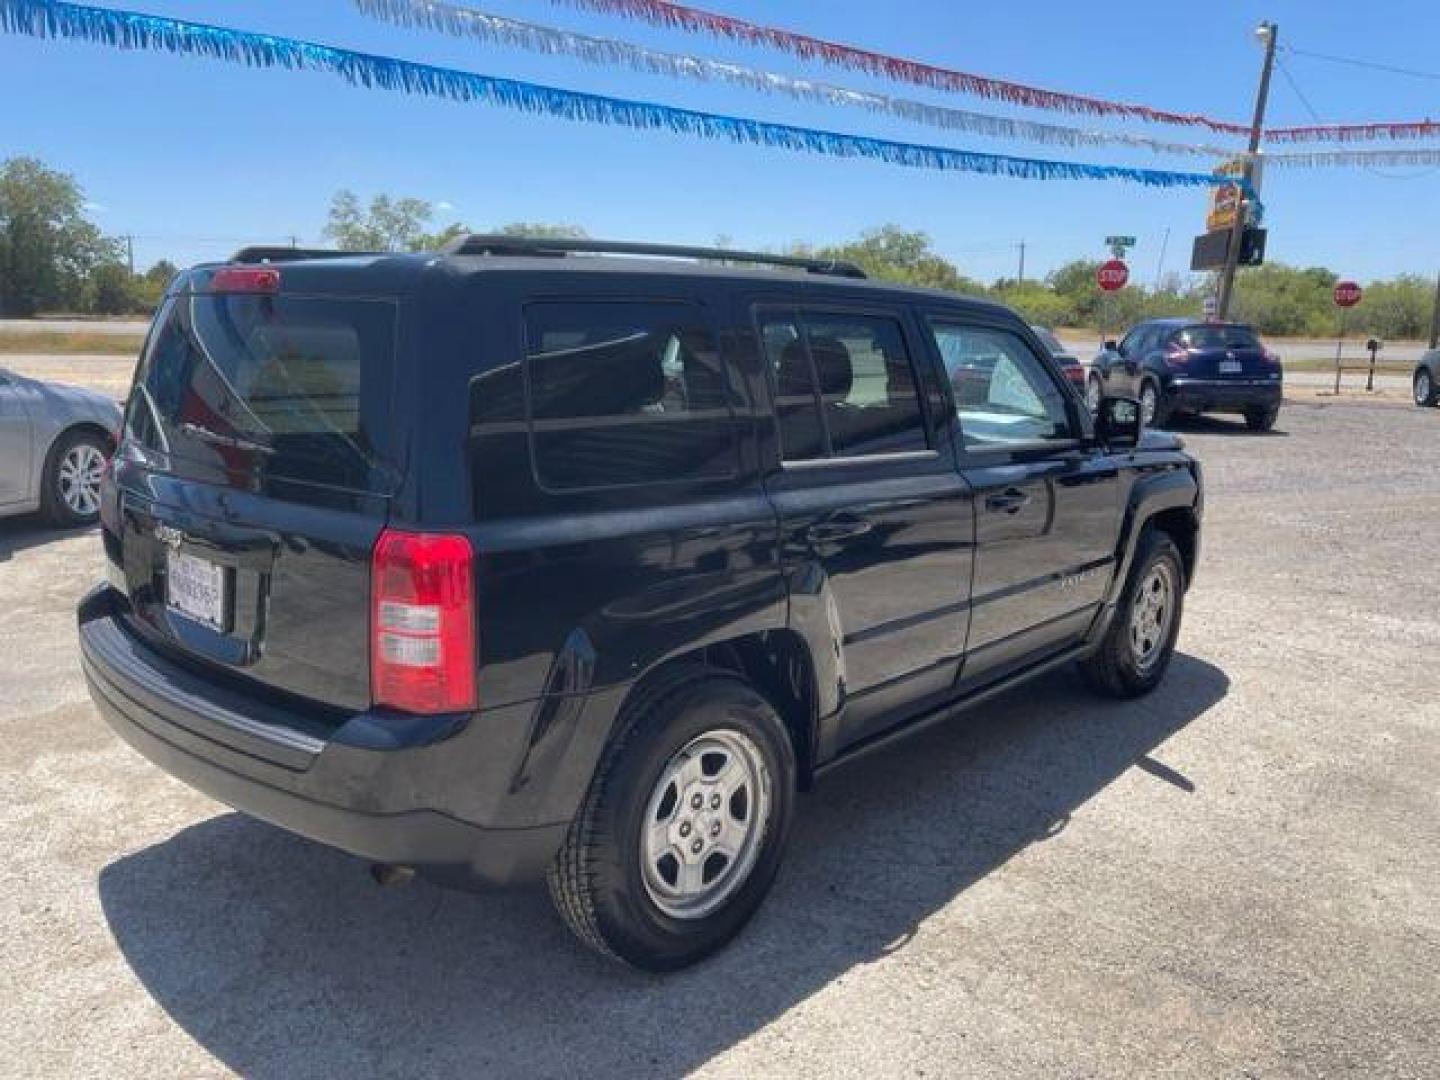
(1426, 381)
(54, 442)
(1070, 364)
(1181, 367)
(522, 560)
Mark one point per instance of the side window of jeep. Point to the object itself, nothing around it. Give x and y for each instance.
(844, 385)
(625, 392)
(1003, 394)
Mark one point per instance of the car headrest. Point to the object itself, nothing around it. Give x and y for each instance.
(794, 375)
(832, 362)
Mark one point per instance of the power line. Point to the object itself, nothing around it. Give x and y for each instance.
(1315, 115)
(1373, 65)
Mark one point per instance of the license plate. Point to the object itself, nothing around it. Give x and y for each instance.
(196, 588)
(1231, 367)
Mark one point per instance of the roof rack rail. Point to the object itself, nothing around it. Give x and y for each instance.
(262, 253)
(480, 244)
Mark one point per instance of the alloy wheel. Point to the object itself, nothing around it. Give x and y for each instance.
(79, 478)
(705, 823)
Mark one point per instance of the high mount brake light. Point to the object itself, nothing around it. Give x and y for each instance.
(422, 622)
(246, 279)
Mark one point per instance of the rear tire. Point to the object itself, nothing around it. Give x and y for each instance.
(1153, 410)
(627, 880)
(1426, 392)
(70, 486)
(1262, 420)
(1140, 641)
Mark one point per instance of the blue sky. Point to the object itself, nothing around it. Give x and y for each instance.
(195, 157)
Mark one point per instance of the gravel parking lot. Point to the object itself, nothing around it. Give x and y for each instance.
(1239, 876)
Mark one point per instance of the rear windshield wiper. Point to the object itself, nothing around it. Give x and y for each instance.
(238, 442)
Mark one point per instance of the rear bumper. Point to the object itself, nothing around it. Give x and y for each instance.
(1224, 395)
(383, 788)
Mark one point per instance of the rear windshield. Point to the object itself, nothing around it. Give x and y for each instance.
(1050, 341)
(1218, 337)
(294, 388)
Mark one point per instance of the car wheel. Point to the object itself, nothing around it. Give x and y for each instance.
(1152, 407)
(1426, 393)
(1261, 420)
(682, 831)
(1094, 392)
(1137, 647)
(71, 483)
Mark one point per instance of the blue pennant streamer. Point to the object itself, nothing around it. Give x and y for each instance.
(132, 30)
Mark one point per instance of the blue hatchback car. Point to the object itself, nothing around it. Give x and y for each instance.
(1182, 366)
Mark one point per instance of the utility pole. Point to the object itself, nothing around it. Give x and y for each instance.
(1160, 266)
(1269, 35)
(1435, 317)
(1021, 278)
(130, 252)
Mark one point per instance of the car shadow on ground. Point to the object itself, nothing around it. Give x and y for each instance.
(282, 959)
(19, 534)
(1210, 424)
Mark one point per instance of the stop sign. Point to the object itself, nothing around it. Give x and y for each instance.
(1347, 294)
(1112, 275)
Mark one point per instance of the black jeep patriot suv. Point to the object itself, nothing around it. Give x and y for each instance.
(525, 559)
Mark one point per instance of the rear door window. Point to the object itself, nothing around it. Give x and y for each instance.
(283, 387)
(844, 385)
(624, 393)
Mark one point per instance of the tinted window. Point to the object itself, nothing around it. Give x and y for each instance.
(291, 388)
(626, 393)
(1050, 341)
(844, 386)
(1003, 393)
(1218, 337)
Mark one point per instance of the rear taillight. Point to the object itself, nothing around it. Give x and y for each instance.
(422, 622)
(1177, 356)
(245, 279)
(1075, 373)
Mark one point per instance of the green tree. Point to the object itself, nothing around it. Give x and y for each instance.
(47, 247)
(540, 230)
(112, 290)
(891, 253)
(385, 225)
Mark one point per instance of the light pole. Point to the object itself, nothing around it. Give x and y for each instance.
(1268, 34)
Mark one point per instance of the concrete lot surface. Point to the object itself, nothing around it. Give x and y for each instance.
(1238, 876)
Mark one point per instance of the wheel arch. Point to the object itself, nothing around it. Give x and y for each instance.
(777, 662)
(1169, 500)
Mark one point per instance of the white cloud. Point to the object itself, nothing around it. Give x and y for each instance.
(446, 206)
(97, 208)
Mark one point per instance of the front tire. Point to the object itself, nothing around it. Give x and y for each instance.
(70, 493)
(684, 826)
(1426, 392)
(1140, 641)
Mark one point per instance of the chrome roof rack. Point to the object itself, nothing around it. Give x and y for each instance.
(479, 244)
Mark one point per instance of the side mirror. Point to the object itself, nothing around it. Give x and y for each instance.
(1110, 345)
(1117, 425)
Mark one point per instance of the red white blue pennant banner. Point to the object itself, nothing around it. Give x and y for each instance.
(698, 21)
(463, 21)
(134, 30)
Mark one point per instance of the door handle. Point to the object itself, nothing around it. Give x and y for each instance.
(1011, 501)
(827, 532)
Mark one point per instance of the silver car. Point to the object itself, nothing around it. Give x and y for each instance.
(54, 441)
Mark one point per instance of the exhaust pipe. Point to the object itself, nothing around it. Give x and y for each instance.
(386, 875)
